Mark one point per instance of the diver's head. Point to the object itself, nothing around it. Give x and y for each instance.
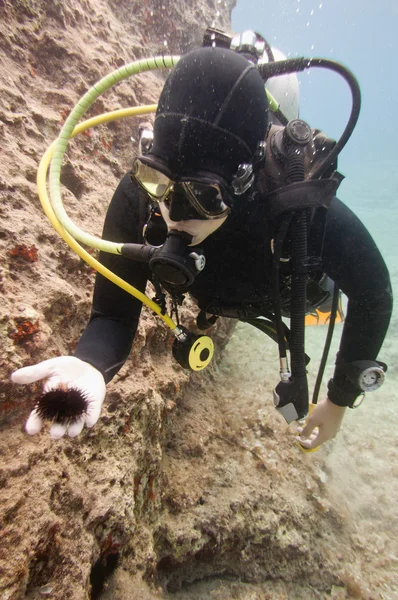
(211, 120)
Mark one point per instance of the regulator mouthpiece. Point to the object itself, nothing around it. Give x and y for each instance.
(175, 262)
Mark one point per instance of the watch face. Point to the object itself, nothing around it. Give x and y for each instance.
(371, 379)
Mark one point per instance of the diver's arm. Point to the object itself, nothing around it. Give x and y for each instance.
(106, 342)
(353, 261)
(80, 380)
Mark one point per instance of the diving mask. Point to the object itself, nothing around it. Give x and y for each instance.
(207, 197)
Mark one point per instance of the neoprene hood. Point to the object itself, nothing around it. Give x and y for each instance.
(212, 113)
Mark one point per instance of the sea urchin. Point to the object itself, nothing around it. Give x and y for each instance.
(61, 405)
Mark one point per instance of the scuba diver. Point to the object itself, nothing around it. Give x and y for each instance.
(201, 203)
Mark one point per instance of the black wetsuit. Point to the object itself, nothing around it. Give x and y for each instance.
(238, 273)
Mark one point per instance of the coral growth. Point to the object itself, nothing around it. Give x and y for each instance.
(25, 329)
(27, 253)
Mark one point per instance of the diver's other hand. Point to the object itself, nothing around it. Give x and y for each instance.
(65, 373)
(322, 425)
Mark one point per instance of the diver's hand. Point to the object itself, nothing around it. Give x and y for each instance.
(65, 372)
(322, 425)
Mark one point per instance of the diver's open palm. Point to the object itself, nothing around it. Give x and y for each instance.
(64, 374)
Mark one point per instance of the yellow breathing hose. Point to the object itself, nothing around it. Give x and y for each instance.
(45, 202)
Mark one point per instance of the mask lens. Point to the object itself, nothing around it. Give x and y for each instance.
(154, 182)
(206, 198)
